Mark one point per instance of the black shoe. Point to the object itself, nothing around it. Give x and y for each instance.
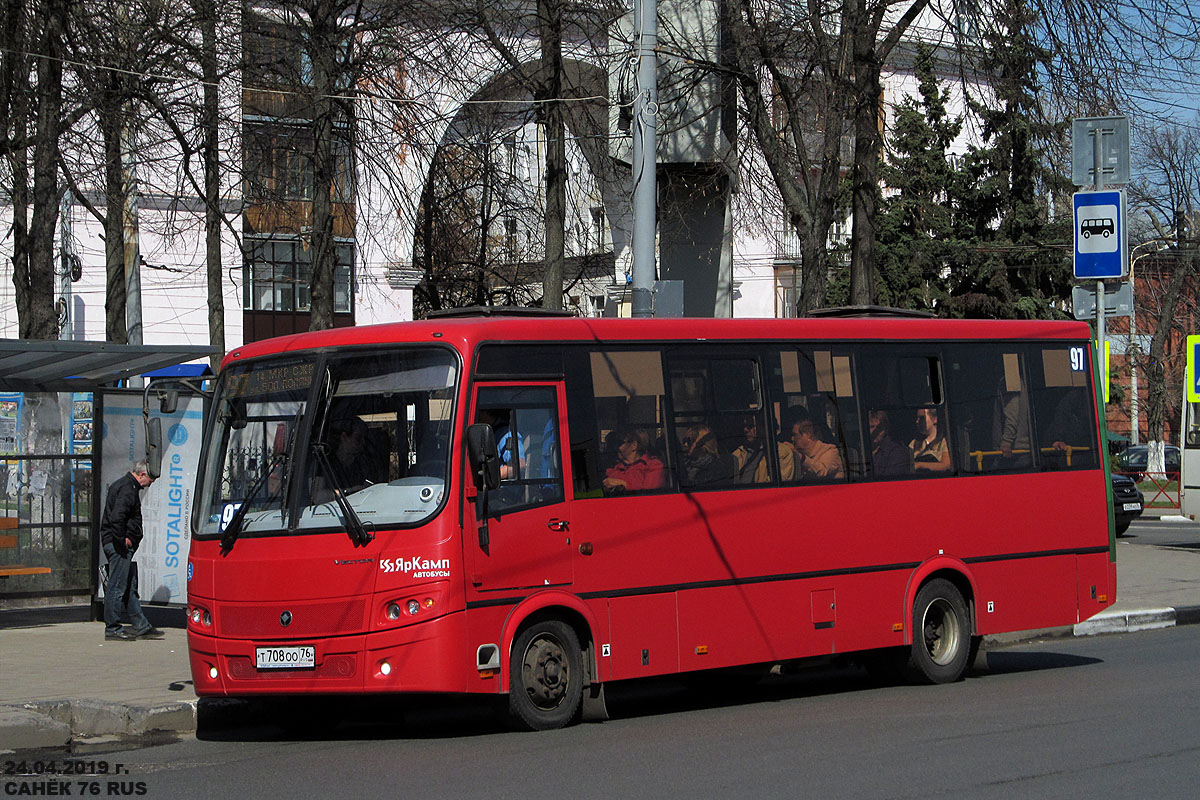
(120, 636)
(153, 633)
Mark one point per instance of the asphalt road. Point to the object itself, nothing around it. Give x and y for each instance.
(1164, 533)
(1097, 717)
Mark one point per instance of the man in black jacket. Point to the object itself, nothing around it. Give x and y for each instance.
(120, 535)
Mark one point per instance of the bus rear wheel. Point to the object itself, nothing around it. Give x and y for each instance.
(545, 685)
(941, 629)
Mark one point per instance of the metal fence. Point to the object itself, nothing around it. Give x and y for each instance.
(46, 504)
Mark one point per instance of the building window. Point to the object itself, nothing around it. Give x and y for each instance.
(278, 275)
(279, 163)
(599, 234)
(510, 239)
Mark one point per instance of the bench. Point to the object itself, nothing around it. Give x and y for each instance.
(6, 572)
(8, 541)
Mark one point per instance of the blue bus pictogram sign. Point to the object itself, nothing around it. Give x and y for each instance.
(1100, 235)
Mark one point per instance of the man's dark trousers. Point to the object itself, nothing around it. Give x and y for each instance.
(120, 593)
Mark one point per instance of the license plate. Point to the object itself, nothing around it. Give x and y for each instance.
(302, 657)
(1133, 506)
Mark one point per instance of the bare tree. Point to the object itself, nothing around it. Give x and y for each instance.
(1169, 188)
(31, 108)
(505, 30)
(826, 59)
(210, 125)
(125, 53)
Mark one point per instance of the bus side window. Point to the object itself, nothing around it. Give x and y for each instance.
(1063, 415)
(816, 402)
(525, 423)
(718, 414)
(989, 407)
(628, 392)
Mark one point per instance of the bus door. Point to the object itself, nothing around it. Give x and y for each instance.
(1189, 461)
(528, 541)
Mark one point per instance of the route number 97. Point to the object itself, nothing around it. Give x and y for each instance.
(1078, 359)
(227, 514)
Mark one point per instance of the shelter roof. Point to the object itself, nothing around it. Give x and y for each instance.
(37, 365)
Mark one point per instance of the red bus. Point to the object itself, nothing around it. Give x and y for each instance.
(537, 506)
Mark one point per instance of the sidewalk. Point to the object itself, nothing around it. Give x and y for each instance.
(62, 683)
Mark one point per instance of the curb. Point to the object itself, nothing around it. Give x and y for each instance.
(1127, 621)
(1140, 620)
(1103, 623)
(55, 724)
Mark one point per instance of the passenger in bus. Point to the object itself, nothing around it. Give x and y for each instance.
(1068, 432)
(703, 461)
(1010, 426)
(888, 457)
(347, 438)
(548, 451)
(510, 448)
(930, 450)
(814, 458)
(750, 459)
(637, 469)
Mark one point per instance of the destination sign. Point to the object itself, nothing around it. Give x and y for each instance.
(275, 379)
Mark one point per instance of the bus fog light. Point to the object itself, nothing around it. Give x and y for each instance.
(212, 672)
(207, 620)
(413, 607)
(393, 611)
(385, 668)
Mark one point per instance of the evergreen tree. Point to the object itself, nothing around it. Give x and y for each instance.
(1016, 266)
(914, 228)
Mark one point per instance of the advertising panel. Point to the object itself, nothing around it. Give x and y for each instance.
(167, 504)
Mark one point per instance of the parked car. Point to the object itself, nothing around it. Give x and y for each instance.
(1132, 461)
(1128, 502)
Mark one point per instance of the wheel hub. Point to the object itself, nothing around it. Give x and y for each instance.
(940, 631)
(547, 673)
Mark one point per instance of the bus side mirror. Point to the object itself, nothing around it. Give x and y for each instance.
(154, 447)
(485, 459)
(234, 413)
(168, 401)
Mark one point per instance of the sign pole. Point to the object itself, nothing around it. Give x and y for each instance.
(1098, 178)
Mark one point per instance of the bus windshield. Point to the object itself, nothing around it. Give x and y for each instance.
(305, 443)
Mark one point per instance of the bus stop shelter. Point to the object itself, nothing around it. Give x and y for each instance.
(51, 414)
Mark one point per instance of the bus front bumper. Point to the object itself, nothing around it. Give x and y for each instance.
(414, 658)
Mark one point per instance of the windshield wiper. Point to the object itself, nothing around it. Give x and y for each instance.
(234, 528)
(354, 526)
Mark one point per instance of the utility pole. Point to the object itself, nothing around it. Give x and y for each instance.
(645, 158)
(133, 256)
(66, 265)
(1098, 173)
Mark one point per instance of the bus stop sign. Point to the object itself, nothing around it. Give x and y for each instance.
(1100, 235)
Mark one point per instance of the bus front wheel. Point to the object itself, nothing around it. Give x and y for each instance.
(941, 634)
(545, 676)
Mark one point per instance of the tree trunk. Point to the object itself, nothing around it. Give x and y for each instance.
(15, 85)
(324, 48)
(1153, 364)
(483, 294)
(433, 296)
(550, 19)
(111, 125)
(43, 319)
(212, 181)
(867, 150)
